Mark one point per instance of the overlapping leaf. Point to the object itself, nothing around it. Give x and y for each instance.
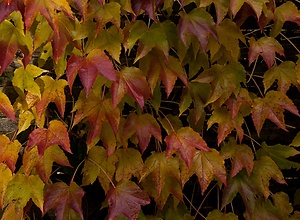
(64, 200)
(43, 138)
(9, 151)
(186, 141)
(256, 5)
(6, 176)
(126, 198)
(149, 6)
(272, 107)
(6, 107)
(222, 7)
(8, 6)
(144, 126)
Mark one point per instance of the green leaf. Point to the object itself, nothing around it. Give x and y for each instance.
(296, 140)
(279, 154)
(256, 5)
(6, 176)
(217, 214)
(220, 5)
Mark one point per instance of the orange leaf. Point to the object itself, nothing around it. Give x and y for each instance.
(6, 107)
(43, 138)
(9, 151)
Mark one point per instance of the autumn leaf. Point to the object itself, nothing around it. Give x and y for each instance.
(198, 23)
(288, 11)
(99, 166)
(96, 111)
(220, 5)
(267, 47)
(144, 126)
(6, 107)
(8, 6)
(279, 154)
(43, 138)
(224, 81)
(126, 198)
(131, 80)
(284, 74)
(296, 140)
(186, 141)
(242, 157)
(44, 164)
(272, 107)
(63, 199)
(9, 151)
(165, 175)
(149, 6)
(130, 164)
(22, 188)
(25, 119)
(256, 5)
(6, 176)
(88, 68)
(207, 166)
(217, 214)
(226, 124)
(53, 92)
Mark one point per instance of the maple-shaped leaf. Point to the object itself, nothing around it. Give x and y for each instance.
(162, 172)
(226, 124)
(9, 151)
(89, 67)
(264, 169)
(99, 166)
(22, 188)
(198, 23)
(149, 6)
(6, 176)
(186, 141)
(217, 214)
(279, 154)
(132, 81)
(144, 126)
(63, 199)
(130, 164)
(168, 70)
(53, 92)
(102, 14)
(44, 164)
(284, 74)
(48, 9)
(267, 47)
(272, 107)
(288, 11)
(224, 80)
(237, 103)
(242, 157)
(149, 38)
(256, 5)
(96, 111)
(207, 166)
(13, 38)
(126, 198)
(221, 6)
(6, 107)
(24, 79)
(43, 138)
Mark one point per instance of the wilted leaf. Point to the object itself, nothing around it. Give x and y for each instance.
(144, 126)
(6, 176)
(186, 141)
(130, 164)
(126, 198)
(21, 188)
(53, 92)
(132, 81)
(279, 154)
(267, 47)
(9, 151)
(6, 107)
(43, 138)
(99, 166)
(272, 107)
(198, 23)
(63, 199)
(44, 164)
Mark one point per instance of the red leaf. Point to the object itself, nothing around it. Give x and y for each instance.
(198, 23)
(149, 6)
(8, 6)
(89, 67)
(55, 134)
(132, 81)
(62, 198)
(186, 141)
(6, 107)
(143, 126)
(126, 198)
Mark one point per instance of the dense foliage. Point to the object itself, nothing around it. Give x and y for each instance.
(149, 109)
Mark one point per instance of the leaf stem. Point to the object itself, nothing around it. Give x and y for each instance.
(191, 204)
(76, 172)
(290, 42)
(168, 121)
(110, 180)
(252, 72)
